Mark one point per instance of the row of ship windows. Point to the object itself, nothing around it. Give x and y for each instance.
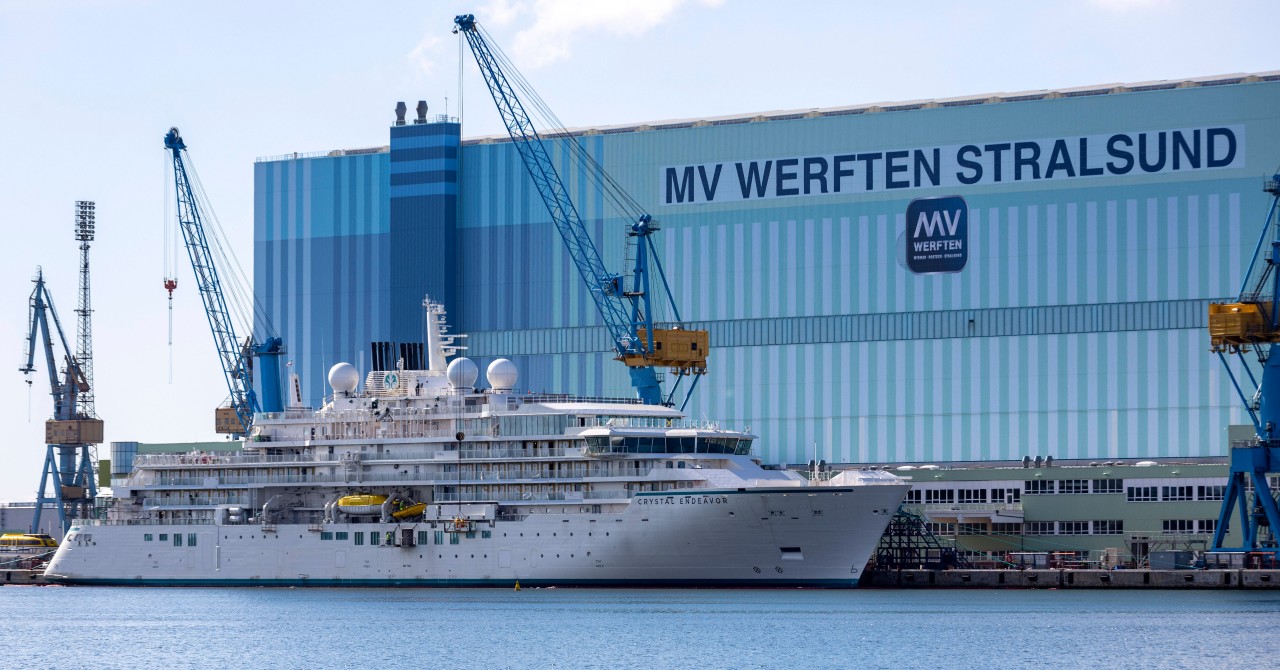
(177, 538)
(1102, 527)
(667, 445)
(944, 324)
(424, 536)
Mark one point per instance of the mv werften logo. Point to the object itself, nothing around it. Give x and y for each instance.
(937, 235)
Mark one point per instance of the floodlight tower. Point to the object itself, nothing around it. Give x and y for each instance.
(85, 225)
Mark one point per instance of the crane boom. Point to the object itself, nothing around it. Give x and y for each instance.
(236, 364)
(40, 312)
(1251, 324)
(70, 433)
(627, 314)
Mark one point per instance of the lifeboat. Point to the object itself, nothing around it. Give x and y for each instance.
(410, 511)
(361, 504)
(26, 542)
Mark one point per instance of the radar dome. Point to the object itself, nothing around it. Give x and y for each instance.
(344, 378)
(463, 373)
(501, 374)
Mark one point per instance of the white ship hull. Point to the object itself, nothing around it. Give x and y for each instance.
(818, 536)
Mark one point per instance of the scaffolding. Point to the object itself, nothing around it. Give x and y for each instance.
(908, 544)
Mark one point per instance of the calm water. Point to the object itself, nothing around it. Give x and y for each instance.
(399, 629)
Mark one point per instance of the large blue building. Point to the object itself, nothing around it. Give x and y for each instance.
(952, 280)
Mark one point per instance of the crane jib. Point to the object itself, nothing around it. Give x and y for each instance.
(233, 354)
(627, 314)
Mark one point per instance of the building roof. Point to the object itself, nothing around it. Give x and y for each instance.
(865, 108)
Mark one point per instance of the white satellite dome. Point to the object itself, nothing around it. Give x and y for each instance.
(344, 378)
(501, 374)
(463, 373)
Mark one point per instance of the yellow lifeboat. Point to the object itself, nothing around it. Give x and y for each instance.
(410, 511)
(361, 504)
(26, 542)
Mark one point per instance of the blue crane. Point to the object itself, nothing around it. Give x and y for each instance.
(236, 356)
(1251, 325)
(627, 311)
(68, 435)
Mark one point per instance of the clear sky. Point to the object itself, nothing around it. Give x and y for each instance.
(88, 89)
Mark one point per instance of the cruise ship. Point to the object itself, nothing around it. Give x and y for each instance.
(421, 479)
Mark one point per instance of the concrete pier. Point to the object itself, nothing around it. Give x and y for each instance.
(22, 577)
(1076, 579)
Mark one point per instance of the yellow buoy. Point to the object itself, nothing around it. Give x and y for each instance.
(517, 584)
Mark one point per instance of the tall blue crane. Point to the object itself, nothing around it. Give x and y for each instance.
(68, 464)
(1251, 325)
(627, 312)
(236, 356)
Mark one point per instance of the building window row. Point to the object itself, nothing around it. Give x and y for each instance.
(965, 496)
(1099, 527)
(1189, 526)
(1072, 486)
(1176, 493)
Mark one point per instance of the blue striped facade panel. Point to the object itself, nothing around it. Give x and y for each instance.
(1137, 395)
(321, 260)
(1099, 395)
(423, 193)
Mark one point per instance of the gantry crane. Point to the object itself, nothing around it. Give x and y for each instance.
(628, 313)
(236, 356)
(1251, 326)
(67, 477)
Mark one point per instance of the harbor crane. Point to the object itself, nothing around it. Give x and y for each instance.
(235, 355)
(1250, 327)
(627, 310)
(66, 480)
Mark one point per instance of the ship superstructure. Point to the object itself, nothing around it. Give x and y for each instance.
(419, 478)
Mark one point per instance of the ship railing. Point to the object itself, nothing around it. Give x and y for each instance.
(657, 422)
(142, 522)
(607, 495)
(428, 474)
(361, 425)
(196, 501)
(152, 460)
(567, 397)
(465, 497)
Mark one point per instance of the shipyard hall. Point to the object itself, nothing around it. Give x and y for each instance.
(973, 279)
